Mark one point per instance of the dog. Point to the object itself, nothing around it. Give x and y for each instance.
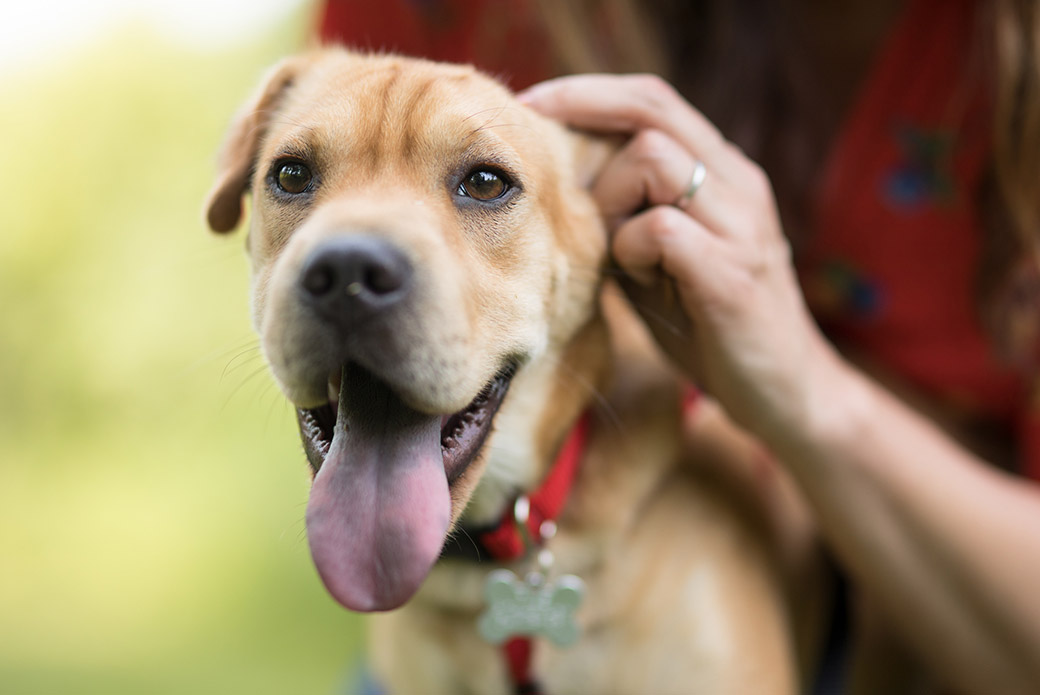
(432, 291)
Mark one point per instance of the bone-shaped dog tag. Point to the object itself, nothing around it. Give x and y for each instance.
(531, 607)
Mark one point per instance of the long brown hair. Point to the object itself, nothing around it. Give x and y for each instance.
(1016, 25)
(743, 64)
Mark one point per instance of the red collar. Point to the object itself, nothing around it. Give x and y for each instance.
(504, 542)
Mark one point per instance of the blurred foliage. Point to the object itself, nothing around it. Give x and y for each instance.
(152, 487)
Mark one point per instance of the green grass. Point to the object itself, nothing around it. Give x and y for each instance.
(152, 487)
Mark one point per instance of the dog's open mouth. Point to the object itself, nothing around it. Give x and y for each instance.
(462, 433)
(380, 506)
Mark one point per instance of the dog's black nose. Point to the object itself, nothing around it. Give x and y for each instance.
(349, 278)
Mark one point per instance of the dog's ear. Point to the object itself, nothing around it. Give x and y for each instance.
(238, 153)
(591, 153)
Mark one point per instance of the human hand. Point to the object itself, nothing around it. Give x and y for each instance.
(739, 326)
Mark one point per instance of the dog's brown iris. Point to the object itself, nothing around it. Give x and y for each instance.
(294, 177)
(484, 185)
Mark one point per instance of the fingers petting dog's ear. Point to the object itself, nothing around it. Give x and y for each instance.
(591, 153)
(235, 162)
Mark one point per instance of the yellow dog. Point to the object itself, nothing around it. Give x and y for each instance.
(428, 287)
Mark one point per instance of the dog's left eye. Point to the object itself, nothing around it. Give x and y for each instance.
(483, 184)
(293, 177)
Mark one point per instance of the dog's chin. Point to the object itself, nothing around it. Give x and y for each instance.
(380, 505)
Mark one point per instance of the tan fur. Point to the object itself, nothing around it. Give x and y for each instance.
(686, 589)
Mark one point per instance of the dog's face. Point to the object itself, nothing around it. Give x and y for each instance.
(418, 239)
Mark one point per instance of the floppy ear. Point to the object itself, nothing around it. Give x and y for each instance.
(237, 154)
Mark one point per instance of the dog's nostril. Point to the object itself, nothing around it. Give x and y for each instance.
(382, 279)
(319, 280)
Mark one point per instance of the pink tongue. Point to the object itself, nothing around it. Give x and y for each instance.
(379, 508)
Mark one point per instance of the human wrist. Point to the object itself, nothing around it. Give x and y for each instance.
(831, 414)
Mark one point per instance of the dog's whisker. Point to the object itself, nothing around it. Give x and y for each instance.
(260, 389)
(661, 320)
(301, 528)
(500, 125)
(454, 537)
(244, 357)
(247, 362)
(472, 541)
(271, 391)
(602, 405)
(217, 354)
(249, 377)
(498, 111)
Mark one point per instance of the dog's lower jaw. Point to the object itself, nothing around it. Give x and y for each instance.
(514, 461)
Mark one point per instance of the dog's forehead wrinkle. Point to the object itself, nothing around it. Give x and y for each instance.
(401, 102)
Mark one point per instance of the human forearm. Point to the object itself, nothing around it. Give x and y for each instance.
(948, 548)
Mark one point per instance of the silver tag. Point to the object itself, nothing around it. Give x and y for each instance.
(531, 607)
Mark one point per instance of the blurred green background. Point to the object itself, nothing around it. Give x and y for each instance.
(152, 487)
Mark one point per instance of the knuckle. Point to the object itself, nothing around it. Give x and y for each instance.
(665, 222)
(656, 92)
(758, 180)
(742, 289)
(734, 150)
(651, 145)
(769, 256)
(653, 85)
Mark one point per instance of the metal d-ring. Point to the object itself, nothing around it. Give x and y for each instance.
(521, 513)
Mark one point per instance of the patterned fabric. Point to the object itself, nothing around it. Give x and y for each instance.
(893, 266)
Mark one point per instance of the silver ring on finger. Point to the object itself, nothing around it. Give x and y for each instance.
(700, 173)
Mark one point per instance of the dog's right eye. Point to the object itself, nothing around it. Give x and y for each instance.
(483, 184)
(293, 177)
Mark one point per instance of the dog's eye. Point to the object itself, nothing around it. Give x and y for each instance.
(294, 177)
(483, 185)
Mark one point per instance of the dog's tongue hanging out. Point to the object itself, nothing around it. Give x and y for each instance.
(379, 508)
